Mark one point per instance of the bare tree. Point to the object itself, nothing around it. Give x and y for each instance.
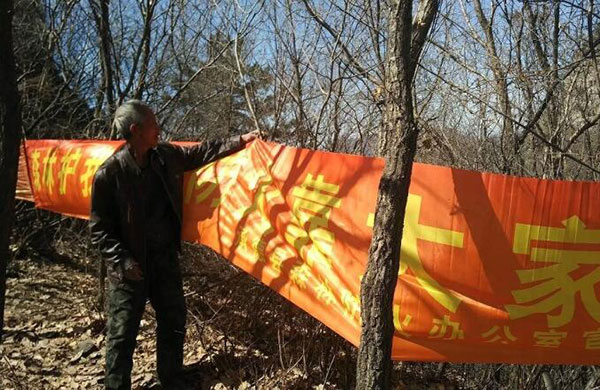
(10, 139)
(523, 76)
(100, 11)
(389, 75)
(397, 144)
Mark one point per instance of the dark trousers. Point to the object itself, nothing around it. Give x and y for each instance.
(162, 285)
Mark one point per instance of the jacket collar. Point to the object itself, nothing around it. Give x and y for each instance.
(129, 164)
(127, 161)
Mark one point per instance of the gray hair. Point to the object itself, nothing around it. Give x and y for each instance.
(129, 113)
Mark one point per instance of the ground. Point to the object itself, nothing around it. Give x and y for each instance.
(239, 336)
(54, 335)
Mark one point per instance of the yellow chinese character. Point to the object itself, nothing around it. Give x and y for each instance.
(265, 195)
(49, 162)
(440, 328)
(554, 287)
(256, 246)
(259, 246)
(549, 339)
(97, 156)
(91, 166)
(299, 275)
(400, 326)
(409, 255)
(592, 339)
(206, 181)
(324, 293)
(242, 240)
(350, 303)
(68, 167)
(493, 336)
(35, 170)
(278, 257)
(208, 190)
(313, 205)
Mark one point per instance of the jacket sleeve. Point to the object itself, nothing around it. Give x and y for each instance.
(198, 155)
(104, 221)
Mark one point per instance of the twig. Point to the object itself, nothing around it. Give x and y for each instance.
(13, 377)
(244, 84)
(200, 70)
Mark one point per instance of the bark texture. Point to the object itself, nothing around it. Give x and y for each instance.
(100, 11)
(10, 138)
(397, 144)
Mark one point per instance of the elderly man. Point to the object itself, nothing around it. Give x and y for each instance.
(135, 221)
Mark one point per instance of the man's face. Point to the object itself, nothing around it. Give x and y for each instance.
(149, 131)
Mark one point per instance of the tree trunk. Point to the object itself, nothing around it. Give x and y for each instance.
(508, 135)
(100, 10)
(397, 144)
(10, 139)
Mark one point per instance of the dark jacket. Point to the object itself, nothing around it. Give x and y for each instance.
(117, 215)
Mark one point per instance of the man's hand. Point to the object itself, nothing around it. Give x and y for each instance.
(245, 138)
(132, 270)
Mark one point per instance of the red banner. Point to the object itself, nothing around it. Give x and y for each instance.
(493, 268)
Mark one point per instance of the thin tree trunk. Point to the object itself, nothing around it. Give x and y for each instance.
(508, 137)
(10, 139)
(398, 145)
(100, 10)
(145, 49)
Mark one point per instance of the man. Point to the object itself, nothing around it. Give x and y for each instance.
(135, 221)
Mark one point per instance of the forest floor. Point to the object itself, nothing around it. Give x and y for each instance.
(240, 335)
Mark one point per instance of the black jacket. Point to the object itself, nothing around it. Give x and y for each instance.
(117, 217)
